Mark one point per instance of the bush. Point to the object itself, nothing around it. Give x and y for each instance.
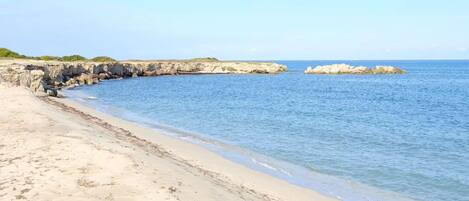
(49, 58)
(205, 59)
(73, 58)
(103, 59)
(4, 52)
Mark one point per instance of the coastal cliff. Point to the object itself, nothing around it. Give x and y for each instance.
(51, 75)
(348, 69)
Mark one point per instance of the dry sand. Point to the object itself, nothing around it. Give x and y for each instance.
(56, 149)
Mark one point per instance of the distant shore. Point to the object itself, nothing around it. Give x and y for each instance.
(64, 150)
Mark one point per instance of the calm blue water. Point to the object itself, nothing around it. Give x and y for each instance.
(407, 134)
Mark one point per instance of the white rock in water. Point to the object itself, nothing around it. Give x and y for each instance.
(388, 69)
(348, 69)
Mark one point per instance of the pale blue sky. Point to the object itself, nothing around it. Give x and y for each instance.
(241, 29)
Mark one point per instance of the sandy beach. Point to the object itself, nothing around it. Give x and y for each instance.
(56, 149)
(234, 100)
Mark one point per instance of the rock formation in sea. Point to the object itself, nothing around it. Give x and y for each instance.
(40, 76)
(348, 69)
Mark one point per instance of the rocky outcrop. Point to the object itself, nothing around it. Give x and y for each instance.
(32, 79)
(348, 69)
(43, 75)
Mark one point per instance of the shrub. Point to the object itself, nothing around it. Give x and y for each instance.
(4, 52)
(210, 59)
(73, 58)
(49, 58)
(103, 59)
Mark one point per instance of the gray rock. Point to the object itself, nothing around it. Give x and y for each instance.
(52, 92)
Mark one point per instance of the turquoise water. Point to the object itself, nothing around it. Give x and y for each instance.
(357, 137)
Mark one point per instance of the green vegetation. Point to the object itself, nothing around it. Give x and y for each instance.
(103, 59)
(73, 58)
(49, 58)
(4, 52)
(206, 59)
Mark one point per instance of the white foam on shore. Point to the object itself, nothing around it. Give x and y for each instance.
(91, 98)
(270, 167)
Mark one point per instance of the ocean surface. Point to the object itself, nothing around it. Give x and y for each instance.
(354, 137)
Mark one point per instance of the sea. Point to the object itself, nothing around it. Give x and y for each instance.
(352, 137)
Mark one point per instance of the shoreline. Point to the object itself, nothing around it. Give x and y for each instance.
(207, 166)
(294, 174)
(334, 187)
(200, 156)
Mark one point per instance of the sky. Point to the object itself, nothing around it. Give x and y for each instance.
(238, 29)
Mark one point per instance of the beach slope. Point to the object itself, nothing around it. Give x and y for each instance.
(55, 149)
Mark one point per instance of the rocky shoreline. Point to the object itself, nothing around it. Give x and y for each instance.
(48, 76)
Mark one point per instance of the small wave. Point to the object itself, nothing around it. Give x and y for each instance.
(91, 98)
(77, 95)
(270, 167)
